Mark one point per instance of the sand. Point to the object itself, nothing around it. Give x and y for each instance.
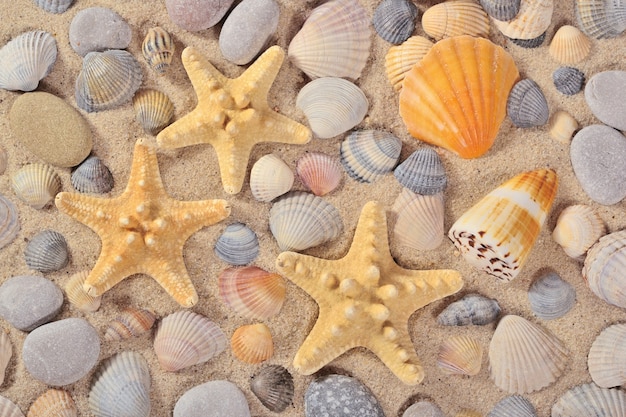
(192, 174)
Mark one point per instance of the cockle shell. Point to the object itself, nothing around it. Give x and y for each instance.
(319, 172)
(418, 220)
(367, 155)
(423, 408)
(6, 351)
(607, 357)
(334, 41)
(54, 6)
(422, 172)
(513, 406)
(27, 59)
(9, 409)
(9, 221)
(577, 229)
(53, 403)
(471, 309)
(601, 18)
(604, 266)
(270, 177)
(158, 49)
(131, 322)
(153, 110)
(46, 252)
(400, 59)
(273, 386)
(589, 400)
(92, 176)
(569, 45)
(568, 80)
(454, 18)
(185, 339)
(252, 343)
(460, 355)
(238, 245)
(524, 357)
(440, 107)
(501, 9)
(497, 234)
(78, 297)
(562, 126)
(394, 20)
(36, 184)
(526, 105)
(532, 20)
(332, 106)
(550, 297)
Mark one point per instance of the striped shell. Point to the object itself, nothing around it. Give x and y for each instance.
(319, 172)
(9, 409)
(252, 343)
(513, 406)
(533, 19)
(422, 172)
(471, 309)
(550, 297)
(9, 221)
(53, 403)
(460, 355)
(607, 357)
(367, 155)
(78, 297)
(36, 184)
(27, 59)
(237, 245)
(577, 229)
(562, 126)
(153, 110)
(501, 9)
(589, 400)
(400, 59)
(418, 220)
(569, 45)
(273, 386)
(423, 408)
(270, 177)
(568, 80)
(54, 6)
(6, 351)
(92, 176)
(131, 322)
(530, 43)
(603, 268)
(46, 252)
(526, 105)
(454, 18)
(158, 49)
(601, 19)
(394, 20)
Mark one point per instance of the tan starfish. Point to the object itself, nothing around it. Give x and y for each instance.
(143, 230)
(365, 299)
(232, 115)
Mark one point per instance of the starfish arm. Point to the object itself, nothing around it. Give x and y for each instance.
(303, 270)
(190, 216)
(395, 349)
(233, 156)
(91, 211)
(191, 129)
(203, 75)
(285, 130)
(420, 288)
(171, 274)
(257, 80)
(371, 233)
(113, 265)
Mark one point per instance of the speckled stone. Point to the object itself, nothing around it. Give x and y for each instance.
(97, 29)
(61, 352)
(29, 301)
(605, 93)
(212, 399)
(247, 30)
(423, 409)
(340, 396)
(194, 15)
(598, 155)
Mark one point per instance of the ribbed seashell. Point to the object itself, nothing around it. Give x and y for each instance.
(422, 172)
(454, 18)
(78, 297)
(6, 351)
(501, 9)
(550, 297)
(400, 59)
(497, 234)
(158, 49)
(121, 387)
(468, 413)
(577, 229)
(569, 45)
(185, 339)
(92, 176)
(36, 184)
(9, 221)
(601, 19)
(270, 177)
(524, 357)
(568, 80)
(153, 110)
(4, 159)
(300, 220)
(332, 106)
(513, 406)
(423, 408)
(9, 409)
(607, 357)
(107, 80)
(252, 343)
(471, 309)
(131, 322)
(529, 43)
(526, 105)
(367, 155)
(439, 106)
(533, 18)
(27, 59)
(319, 172)
(460, 355)
(54, 6)
(273, 386)
(252, 292)
(394, 20)
(562, 126)
(46, 252)
(53, 403)
(418, 220)
(238, 245)
(333, 42)
(589, 400)
(604, 266)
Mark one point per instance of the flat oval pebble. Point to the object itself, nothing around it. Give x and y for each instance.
(340, 396)
(50, 128)
(604, 94)
(598, 155)
(29, 301)
(61, 352)
(98, 29)
(194, 15)
(212, 399)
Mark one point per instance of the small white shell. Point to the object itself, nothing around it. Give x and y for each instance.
(238, 245)
(78, 297)
(54, 6)
(92, 176)
(9, 221)
(367, 155)
(319, 172)
(569, 45)
(46, 252)
(532, 20)
(603, 268)
(562, 127)
(36, 184)
(270, 177)
(550, 297)
(577, 229)
(153, 110)
(6, 351)
(589, 400)
(9, 409)
(27, 59)
(607, 357)
(460, 355)
(418, 220)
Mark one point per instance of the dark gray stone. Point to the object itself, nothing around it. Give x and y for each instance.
(212, 399)
(605, 94)
(96, 29)
(340, 396)
(29, 301)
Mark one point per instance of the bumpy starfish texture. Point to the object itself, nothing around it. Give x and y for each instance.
(143, 230)
(365, 299)
(232, 115)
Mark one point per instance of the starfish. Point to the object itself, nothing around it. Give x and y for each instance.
(232, 115)
(365, 299)
(143, 230)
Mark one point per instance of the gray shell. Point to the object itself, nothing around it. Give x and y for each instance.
(422, 172)
(273, 386)
(471, 309)
(513, 406)
(589, 400)
(238, 245)
(568, 80)
(394, 20)
(550, 297)
(526, 105)
(601, 18)
(504, 10)
(367, 155)
(54, 6)
(9, 221)
(46, 252)
(529, 43)
(92, 176)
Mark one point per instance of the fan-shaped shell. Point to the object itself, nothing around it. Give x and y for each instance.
(334, 41)
(418, 220)
(185, 339)
(27, 59)
(54, 6)
(9, 409)
(107, 80)
(513, 406)
(471, 309)
(300, 220)
(442, 107)
(332, 106)
(501, 9)
(319, 172)
(550, 297)
(604, 266)
(589, 400)
(533, 18)
(607, 357)
(36, 184)
(158, 49)
(568, 80)
(601, 19)
(92, 176)
(273, 386)
(526, 105)
(9, 221)
(153, 110)
(131, 322)
(423, 408)
(454, 18)
(270, 177)
(460, 355)
(78, 297)
(252, 292)
(422, 172)
(46, 252)
(524, 357)
(252, 343)
(400, 59)
(53, 403)
(238, 245)
(562, 126)
(6, 351)
(569, 45)
(577, 229)
(394, 20)
(367, 155)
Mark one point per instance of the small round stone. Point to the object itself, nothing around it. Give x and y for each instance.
(340, 396)
(212, 399)
(194, 15)
(423, 409)
(568, 80)
(605, 94)
(97, 29)
(61, 352)
(29, 301)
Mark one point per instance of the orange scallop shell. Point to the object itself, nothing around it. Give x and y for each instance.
(252, 343)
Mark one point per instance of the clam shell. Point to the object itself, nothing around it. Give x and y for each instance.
(78, 297)
(9, 409)
(252, 343)
(418, 220)
(562, 126)
(603, 268)
(333, 42)
(529, 43)
(4, 159)
(422, 172)
(9, 221)
(400, 59)
(501, 9)
(121, 387)
(569, 45)
(422, 409)
(6, 351)
(238, 245)
(607, 357)
(526, 105)
(270, 177)
(53, 403)
(332, 106)
(131, 322)
(440, 107)
(394, 20)
(319, 172)
(367, 155)
(92, 176)
(577, 229)
(589, 400)
(36, 184)
(158, 49)
(252, 292)
(601, 19)
(524, 357)
(46, 252)
(185, 339)
(107, 80)
(27, 59)
(568, 80)
(550, 297)
(533, 18)
(471, 309)
(513, 406)
(273, 386)
(153, 110)
(54, 6)
(460, 355)
(497, 234)
(300, 220)
(454, 18)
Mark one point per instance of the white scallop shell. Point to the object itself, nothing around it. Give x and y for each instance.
(6, 351)
(77, 296)
(460, 355)
(9, 221)
(9, 409)
(36, 184)
(532, 20)
(577, 229)
(550, 297)
(607, 357)
(589, 400)
(26, 59)
(270, 177)
(418, 220)
(604, 266)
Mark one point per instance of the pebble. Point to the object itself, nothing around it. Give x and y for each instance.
(340, 396)
(29, 301)
(51, 129)
(194, 15)
(247, 30)
(598, 155)
(605, 93)
(212, 399)
(61, 352)
(97, 29)
(423, 409)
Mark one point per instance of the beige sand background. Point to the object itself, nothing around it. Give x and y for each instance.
(192, 174)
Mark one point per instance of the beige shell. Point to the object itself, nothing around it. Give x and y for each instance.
(401, 58)
(577, 229)
(604, 266)
(562, 127)
(158, 49)
(418, 220)
(53, 403)
(569, 45)
(6, 351)
(319, 172)
(131, 322)
(36, 184)
(252, 343)
(9, 409)
(533, 20)
(460, 355)
(153, 110)
(77, 295)
(607, 357)
(270, 177)
(454, 18)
